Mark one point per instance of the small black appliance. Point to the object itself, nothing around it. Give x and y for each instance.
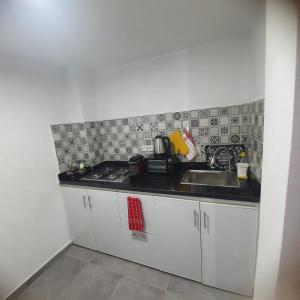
(163, 164)
(136, 165)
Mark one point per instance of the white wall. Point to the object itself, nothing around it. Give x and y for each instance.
(33, 225)
(212, 74)
(281, 35)
(288, 286)
(258, 55)
(82, 84)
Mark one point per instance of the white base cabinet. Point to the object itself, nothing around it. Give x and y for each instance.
(229, 235)
(93, 218)
(149, 212)
(106, 220)
(179, 237)
(140, 247)
(79, 217)
(203, 241)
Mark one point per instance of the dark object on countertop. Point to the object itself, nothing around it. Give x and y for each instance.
(136, 165)
(82, 171)
(79, 167)
(221, 159)
(163, 164)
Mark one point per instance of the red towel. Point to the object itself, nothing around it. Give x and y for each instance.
(190, 143)
(135, 214)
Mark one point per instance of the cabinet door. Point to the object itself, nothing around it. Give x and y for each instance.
(79, 217)
(105, 215)
(140, 247)
(229, 235)
(179, 236)
(147, 207)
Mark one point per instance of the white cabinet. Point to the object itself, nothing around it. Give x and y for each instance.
(79, 217)
(140, 247)
(229, 236)
(93, 219)
(203, 241)
(106, 220)
(149, 214)
(179, 237)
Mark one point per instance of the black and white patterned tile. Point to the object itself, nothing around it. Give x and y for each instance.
(177, 116)
(122, 138)
(224, 111)
(203, 113)
(254, 136)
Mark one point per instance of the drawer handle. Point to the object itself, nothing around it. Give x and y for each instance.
(84, 200)
(197, 220)
(205, 220)
(139, 235)
(90, 202)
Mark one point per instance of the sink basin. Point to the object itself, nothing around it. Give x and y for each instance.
(210, 178)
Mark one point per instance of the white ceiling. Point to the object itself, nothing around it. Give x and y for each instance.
(99, 33)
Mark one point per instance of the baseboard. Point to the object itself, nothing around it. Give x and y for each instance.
(35, 274)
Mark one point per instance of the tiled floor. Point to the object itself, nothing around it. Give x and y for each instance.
(82, 274)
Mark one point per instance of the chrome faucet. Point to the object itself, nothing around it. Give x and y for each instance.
(213, 159)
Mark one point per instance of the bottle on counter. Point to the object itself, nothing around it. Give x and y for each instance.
(243, 157)
(242, 166)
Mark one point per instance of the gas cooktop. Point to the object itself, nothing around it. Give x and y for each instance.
(108, 174)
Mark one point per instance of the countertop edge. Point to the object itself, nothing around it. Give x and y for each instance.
(168, 195)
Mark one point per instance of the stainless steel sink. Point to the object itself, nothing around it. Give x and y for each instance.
(210, 178)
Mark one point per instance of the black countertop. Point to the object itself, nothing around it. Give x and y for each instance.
(249, 190)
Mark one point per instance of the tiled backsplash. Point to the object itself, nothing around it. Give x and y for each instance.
(256, 131)
(77, 141)
(119, 139)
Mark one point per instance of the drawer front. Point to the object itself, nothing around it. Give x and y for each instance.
(149, 215)
(140, 247)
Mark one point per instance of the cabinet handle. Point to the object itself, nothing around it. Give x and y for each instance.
(140, 234)
(90, 202)
(84, 202)
(198, 221)
(205, 220)
(195, 218)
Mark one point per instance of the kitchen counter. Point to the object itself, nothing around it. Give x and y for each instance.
(162, 184)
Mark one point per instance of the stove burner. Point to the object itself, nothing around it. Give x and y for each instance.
(124, 171)
(108, 174)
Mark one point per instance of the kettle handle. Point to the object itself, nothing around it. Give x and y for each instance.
(167, 144)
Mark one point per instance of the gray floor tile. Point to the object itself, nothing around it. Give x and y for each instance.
(224, 295)
(81, 253)
(129, 289)
(57, 277)
(29, 294)
(92, 283)
(173, 296)
(130, 269)
(82, 274)
(191, 290)
(111, 263)
(148, 276)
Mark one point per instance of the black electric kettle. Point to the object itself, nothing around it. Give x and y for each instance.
(161, 145)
